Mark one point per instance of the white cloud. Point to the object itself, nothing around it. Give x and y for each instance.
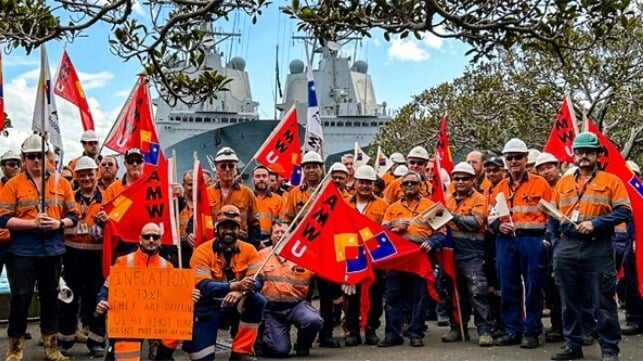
(20, 96)
(96, 80)
(16, 61)
(407, 50)
(432, 41)
(122, 93)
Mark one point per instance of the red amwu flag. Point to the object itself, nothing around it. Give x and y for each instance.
(442, 151)
(68, 87)
(562, 135)
(341, 245)
(281, 151)
(613, 162)
(146, 200)
(134, 127)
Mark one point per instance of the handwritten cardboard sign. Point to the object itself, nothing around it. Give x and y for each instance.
(150, 303)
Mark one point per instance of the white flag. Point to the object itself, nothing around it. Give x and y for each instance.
(382, 162)
(500, 209)
(360, 157)
(45, 115)
(314, 132)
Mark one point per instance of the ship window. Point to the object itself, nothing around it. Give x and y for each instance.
(364, 124)
(224, 120)
(340, 124)
(198, 119)
(233, 120)
(185, 119)
(207, 120)
(332, 124)
(326, 124)
(373, 124)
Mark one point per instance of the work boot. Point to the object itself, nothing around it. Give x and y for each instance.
(371, 337)
(485, 340)
(353, 340)
(631, 329)
(567, 353)
(454, 336)
(16, 349)
(52, 353)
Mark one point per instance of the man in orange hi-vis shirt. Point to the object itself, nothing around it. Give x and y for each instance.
(520, 252)
(592, 202)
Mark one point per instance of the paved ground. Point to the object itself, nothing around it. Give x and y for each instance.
(631, 349)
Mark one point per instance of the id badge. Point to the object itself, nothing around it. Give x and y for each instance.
(82, 228)
(575, 215)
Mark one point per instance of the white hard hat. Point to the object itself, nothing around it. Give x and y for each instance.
(89, 136)
(85, 163)
(400, 171)
(9, 155)
(365, 172)
(463, 167)
(532, 156)
(397, 157)
(313, 157)
(630, 164)
(226, 153)
(544, 158)
(418, 152)
(338, 167)
(33, 144)
(515, 145)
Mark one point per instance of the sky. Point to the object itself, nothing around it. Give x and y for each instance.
(399, 70)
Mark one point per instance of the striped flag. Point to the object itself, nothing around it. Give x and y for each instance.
(314, 133)
(45, 115)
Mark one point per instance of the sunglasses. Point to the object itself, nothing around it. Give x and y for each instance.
(32, 156)
(107, 164)
(410, 183)
(461, 179)
(11, 164)
(585, 152)
(509, 158)
(69, 178)
(226, 165)
(134, 161)
(91, 143)
(416, 162)
(151, 236)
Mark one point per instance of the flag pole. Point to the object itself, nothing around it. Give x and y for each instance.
(175, 219)
(323, 184)
(457, 302)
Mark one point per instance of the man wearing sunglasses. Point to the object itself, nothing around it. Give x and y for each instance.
(134, 167)
(593, 202)
(228, 190)
(403, 288)
(467, 229)
(107, 171)
(417, 162)
(224, 271)
(521, 256)
(89, 140)
(146, 256)
(37, 246)
(494, 170)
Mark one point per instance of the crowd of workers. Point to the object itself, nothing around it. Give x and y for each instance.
(509, 268)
